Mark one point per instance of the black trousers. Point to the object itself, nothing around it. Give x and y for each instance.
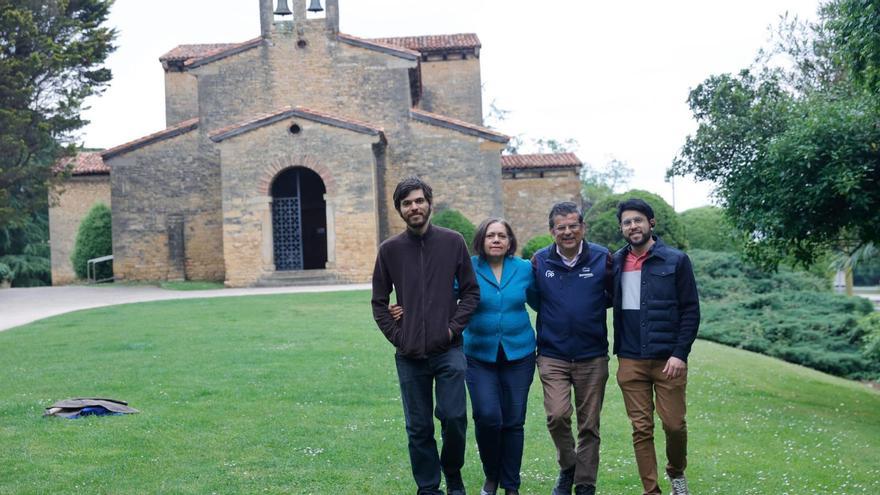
(499, 396)
(420, 380)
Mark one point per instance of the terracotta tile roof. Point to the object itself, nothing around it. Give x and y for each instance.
(540, 161)
(175, 130)
(434, 42)
(84, 163)
(372, 44)
(301, 112)
(182, 53)
(188, 56)
(458, 125)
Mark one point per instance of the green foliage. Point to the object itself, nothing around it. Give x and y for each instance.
(51, 58)
(870, 329)
(5, 272)
(787, 314)
(708, 228)
(93, 240)
(453, 219)
(25, 250)
(603, 227)
(854, 27)
(795, 155)
(535, 244)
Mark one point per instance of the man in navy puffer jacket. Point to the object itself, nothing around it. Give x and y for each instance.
(573, 278)
(656, 318)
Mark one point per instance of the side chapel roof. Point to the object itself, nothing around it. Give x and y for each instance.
(541, 161)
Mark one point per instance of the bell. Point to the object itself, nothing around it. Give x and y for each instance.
(315, 6)
(282, 8)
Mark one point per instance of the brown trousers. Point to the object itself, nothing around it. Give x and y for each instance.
(640, 380)
(588, 379)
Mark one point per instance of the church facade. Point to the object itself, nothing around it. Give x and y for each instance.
(281, 154)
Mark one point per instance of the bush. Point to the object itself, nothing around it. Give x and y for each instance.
(791, 315)
(93, 240)
(24, 249)
(5, 272)
(535, 244)
(870, 329)
(603, 227)
(453, 219)
(28, 270)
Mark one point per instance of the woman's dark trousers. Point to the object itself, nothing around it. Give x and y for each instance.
(499, 395)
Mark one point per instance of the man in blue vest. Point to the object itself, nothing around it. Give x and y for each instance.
(573, 278)
(656, 317)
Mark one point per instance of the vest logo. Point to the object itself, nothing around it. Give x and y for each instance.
(585, 269)
(549, 274)
(585, 275)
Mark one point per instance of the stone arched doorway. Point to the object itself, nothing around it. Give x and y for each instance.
(299, 220)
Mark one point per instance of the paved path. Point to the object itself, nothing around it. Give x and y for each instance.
(22, 306)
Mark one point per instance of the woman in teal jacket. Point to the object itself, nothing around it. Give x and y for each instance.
(499, 343)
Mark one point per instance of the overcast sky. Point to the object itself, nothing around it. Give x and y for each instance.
(612, 75)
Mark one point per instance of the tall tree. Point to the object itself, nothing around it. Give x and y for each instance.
(51, 58)
(795, 153)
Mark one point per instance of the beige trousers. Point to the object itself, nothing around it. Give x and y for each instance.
(587, 379)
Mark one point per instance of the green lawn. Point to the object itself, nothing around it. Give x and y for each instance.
(298, 394)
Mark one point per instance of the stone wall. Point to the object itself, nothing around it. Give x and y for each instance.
(453, 88)
(464, 171)
(166, 211)
(70, 205)
(529, 197)
(181, 97)
(344, 160)
(312, 69)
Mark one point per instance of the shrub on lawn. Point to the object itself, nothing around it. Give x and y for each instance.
(535, 244)
(453, 219)
(93, 240)
(787, 314)
(5, 273)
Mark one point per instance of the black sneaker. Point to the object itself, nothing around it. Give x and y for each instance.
(585, 490)
(564, 482)
(454, 484)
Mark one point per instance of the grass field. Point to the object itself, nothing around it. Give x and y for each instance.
(298, 394)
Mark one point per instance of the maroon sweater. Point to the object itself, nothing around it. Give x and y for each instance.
(423, 270)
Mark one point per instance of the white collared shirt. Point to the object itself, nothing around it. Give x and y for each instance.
(573, 261)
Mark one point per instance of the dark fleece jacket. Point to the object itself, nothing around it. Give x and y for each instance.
(423, 270)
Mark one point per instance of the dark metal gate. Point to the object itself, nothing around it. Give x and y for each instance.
(287, 233)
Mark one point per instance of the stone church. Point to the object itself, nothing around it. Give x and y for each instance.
(281, 154)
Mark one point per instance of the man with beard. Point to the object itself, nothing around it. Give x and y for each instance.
(573, 278)
(656, 317)
(422, 265)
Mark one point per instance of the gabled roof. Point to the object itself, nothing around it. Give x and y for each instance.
(301, 112)
(541, 161)
(457, 125)
(84, 163)
(189, 56)
(173, 131)
(435, 42)
(379, 46)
